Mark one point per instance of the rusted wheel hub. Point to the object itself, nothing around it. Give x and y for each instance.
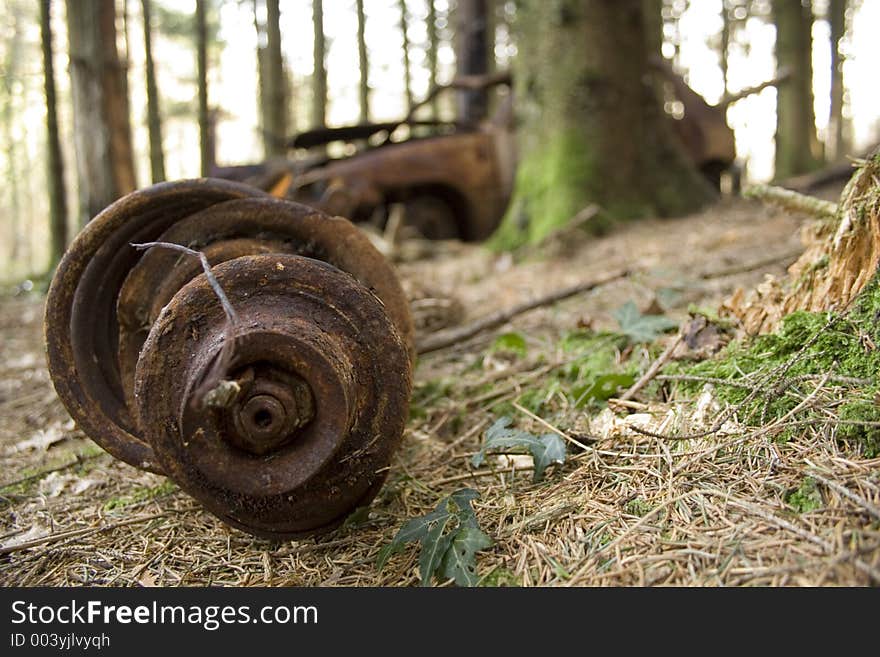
(280, 422)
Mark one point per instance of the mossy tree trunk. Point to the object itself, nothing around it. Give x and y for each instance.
(591, 126)
(54, 161)
(102, 132)
(797, 146)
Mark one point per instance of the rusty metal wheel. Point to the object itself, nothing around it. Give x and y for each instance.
(81, 329)
(324, 382)
(107, 300)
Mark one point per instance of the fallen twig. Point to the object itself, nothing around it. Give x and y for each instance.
(656, 366)
(448, 337)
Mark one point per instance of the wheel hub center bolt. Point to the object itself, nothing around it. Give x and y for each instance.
(270, 414)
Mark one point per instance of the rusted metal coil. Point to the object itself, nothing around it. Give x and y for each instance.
(318, 376)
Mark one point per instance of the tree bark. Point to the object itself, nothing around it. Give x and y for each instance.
(433, 47)
(364, 65)
(201, 35)
(724, 43)
(319, 76)
(797, 146)
(591, 126)
(472, 57)
(275, 128)
(407, 71)
(102, 133)
(10, 75)
(54, 161)
(154, 118)
(838, 145)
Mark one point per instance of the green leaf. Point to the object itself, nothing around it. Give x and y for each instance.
(641, 328)
(551, 450)
(459, 562)
(448, 528)
(413, 530)
(602, 389)
(546, 449)
(463, 498)
(434, 546)
(512, 342)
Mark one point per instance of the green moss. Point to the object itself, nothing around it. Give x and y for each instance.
(638, 507)
(806, 497)
(593, 363)
(140, 495)
(843, 345)
(552, 185)
(500, 577)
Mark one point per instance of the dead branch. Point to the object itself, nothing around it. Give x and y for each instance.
(792, 201)
(448, 337)
(656, 366)
(729, 99)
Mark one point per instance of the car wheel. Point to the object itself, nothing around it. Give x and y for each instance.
(432, 217)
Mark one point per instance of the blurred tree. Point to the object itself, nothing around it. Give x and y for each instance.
(274, 85)
(364, 66)
(201, 37)
(319, 74)
(591, 127)
(10, 76)
(154, 118)
(102, 133)
(433, 47)
(54, 161)
(838, 145)
(407, 72)
(797, 146)
(472, 58)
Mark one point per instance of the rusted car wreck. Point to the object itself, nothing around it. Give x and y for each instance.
(452, 179)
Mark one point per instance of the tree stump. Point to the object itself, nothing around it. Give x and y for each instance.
(841, 256)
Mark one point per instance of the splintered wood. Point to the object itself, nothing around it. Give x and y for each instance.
(841, 256)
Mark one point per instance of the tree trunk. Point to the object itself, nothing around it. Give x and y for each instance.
(407, 72)
(319, 76)
(433, 47)
(364, 87)
(102, 133)
(724, 44)
(10, 76)
(54, 162)
(591, 127)
(797, 146)
(275, 127)
(154, 119)
(838, 145)
(205, 158)
(472, 57)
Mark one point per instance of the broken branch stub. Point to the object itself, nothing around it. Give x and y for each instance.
(273, 385)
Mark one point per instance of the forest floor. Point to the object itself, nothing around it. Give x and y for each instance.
(736, 506)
